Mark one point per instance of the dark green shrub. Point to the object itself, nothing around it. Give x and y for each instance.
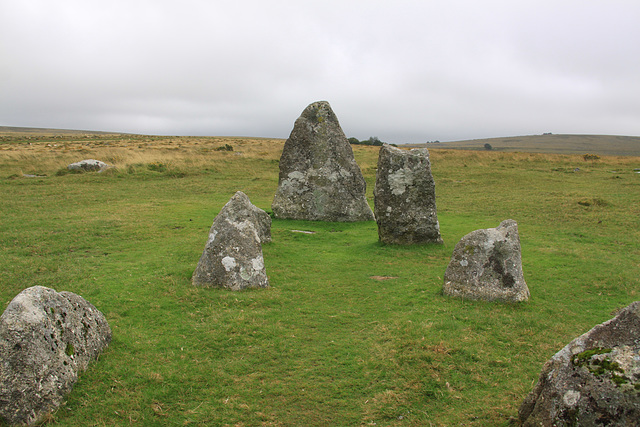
(225, 147)
(157, 167)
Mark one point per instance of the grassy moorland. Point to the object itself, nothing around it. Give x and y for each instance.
(608, 145)
(351, 332)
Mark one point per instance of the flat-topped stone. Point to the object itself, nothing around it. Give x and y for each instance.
(405, 197)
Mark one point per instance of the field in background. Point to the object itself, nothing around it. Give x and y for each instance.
(351, 332)
(609, 145)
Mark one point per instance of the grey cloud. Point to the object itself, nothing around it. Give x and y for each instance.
(404, 71)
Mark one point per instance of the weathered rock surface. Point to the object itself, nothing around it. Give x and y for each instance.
(405, 197)
(89, 165)
(232, 257)
(319, 179)
(487, 265)
(593, 381)
(46, 339)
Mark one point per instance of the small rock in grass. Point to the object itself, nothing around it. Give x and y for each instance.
(89, 165)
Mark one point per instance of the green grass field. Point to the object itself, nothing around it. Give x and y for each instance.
(351, 332)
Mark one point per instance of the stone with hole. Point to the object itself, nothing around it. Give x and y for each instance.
(232, 257)
(46, 339)
(594, 380)
(487, 265)
(405, 197)
(319, 179)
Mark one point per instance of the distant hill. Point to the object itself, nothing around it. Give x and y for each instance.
(608, 145)
(8, 130)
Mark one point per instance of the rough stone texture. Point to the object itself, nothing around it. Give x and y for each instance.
(593, 380)
(405, 197)
(232, 257)
(487, 265)
(46, 339)
(89, 165)
(319, 178)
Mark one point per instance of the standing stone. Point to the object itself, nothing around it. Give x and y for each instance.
(487, 265)
(594, 380)
(405, 197)
(46, 339)
(232, 257)
(319, 179)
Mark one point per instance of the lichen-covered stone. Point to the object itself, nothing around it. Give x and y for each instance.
(319, 178)
(46, 339)
(232, 257)
(89, 165)
(594, 380)
(405, 197)
(487, 265)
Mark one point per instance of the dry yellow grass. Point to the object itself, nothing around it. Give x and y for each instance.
(45, 155)
(486, 158)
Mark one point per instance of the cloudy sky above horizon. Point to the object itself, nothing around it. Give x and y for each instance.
(404, 71)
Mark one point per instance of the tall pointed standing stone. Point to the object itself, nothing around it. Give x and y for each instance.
(405, 197)
(319, 178)
(232, 257)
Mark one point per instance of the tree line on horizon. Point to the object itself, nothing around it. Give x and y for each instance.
(373, 140)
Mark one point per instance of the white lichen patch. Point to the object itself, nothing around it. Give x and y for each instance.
(628, 359)
(571, 397)
(247, 227)
(30, 312)
(229, 263)
(333, 177)
(244, 274)
(399, 180)
(296, 175)
(257, 263)
(490, 242)
(345, 173)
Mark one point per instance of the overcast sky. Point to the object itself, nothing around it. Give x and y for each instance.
(404, 71)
